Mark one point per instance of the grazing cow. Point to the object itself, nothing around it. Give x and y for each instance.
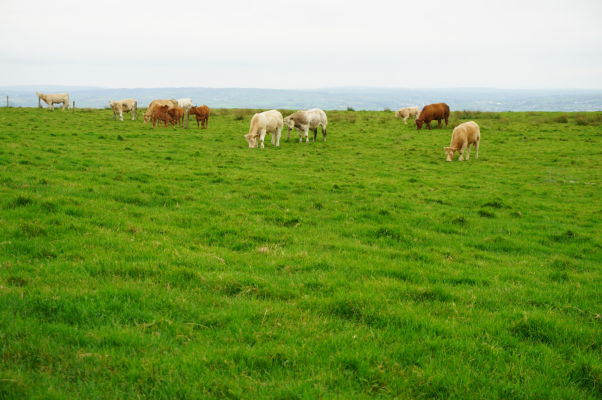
(177, 115)
(56, 98)
(125, 105)
(161, 113)
(437, 111)
(202, 115)
(306, 120)
(262, 123)
(407, 112)
(157, 103)
(463, 136)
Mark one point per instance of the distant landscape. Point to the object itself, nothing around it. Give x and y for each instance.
(359, 98)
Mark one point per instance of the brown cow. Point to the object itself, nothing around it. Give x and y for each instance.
(202, 114)
(431, 112)
(157, 103)
(161, 113)
(177, 115)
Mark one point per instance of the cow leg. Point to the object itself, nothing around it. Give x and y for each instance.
(439, 124)
(446, 121)
(323, 133)
(278, 134)
(306, 134)
(315, 134)
(262, 137)
(405, 120)
(462, 152)
(121, 115)
(477, 149)
(467, 153)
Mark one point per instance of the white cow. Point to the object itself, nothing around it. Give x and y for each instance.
(306, 120)
(56, 98)
(125, 105)
(463, 136)
(407, 112)
(186, 103)
(262, 123)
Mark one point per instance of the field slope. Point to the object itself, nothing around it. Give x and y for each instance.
(172, 263)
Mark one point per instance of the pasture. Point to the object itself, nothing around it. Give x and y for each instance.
(179, 264)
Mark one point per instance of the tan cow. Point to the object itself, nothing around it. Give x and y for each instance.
(306, 120)
(407, 112)
(262, 123)
(56, 98)
(156, 103)
(125, 105)
(463, 136)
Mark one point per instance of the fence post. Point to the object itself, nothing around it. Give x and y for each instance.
(73, 106)
(186, 116)
(39, 103)
(6, 101)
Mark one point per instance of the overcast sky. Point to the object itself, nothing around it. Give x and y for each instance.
(302, 44)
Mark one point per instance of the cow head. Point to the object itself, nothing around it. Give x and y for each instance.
(449, 151)
(419, 123)
(288, 121)
(251, 140)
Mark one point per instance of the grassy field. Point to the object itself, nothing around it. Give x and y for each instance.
(179, 264)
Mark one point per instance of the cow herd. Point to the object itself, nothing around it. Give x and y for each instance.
(174, 112)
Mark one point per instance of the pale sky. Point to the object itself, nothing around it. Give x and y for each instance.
(302, 44)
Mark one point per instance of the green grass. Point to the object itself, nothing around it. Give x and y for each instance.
(172, 263)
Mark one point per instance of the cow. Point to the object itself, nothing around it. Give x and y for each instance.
(407, 112)
(262, 123)
(202, 115)
(431, 112)
(177, 115)
(161, 113)
(463, 136)
(306, 120)
(125, 105)
(157, 103)
(56, 98)
(185, 103)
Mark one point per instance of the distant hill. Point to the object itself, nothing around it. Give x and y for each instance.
(328, 98)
